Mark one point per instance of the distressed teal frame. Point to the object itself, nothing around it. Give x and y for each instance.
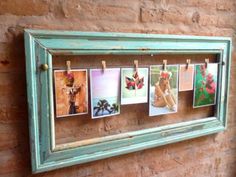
(40, 45)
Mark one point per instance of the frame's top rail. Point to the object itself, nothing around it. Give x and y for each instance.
(59, 33)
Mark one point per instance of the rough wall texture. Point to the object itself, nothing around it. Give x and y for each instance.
(213, 156)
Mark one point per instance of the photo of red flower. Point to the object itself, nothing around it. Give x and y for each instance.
(134, 86)
(134, 82)
(205, 85)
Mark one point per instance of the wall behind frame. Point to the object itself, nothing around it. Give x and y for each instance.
(213, 155)
(135, 116)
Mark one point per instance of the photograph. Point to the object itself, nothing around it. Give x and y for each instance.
(163, 90)
(134, 86)
(71, 92)
(205, 85)
(186, 76)
(105, 92)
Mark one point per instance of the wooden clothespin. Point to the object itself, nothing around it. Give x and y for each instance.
(103, 65)
(164, 64)
(188, 61)
(68, 68)
(206, 62)
(136, 65)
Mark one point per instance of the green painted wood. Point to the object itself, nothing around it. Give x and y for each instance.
(40, 45)
(133, 52)
(51, 34)
(44, 99)
(32, 101)
(124, 146)
(128, 45)
(142, 136)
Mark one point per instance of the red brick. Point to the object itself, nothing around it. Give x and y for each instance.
(195, 17)
(89, 11)
(177, 18)
(157, 15)
(14, 136)
(225, 5)
(13, 114)
(12, 160)
(152, 15)
(24, 7)
(226, 21)
(207, 5)
(208, 20)
(223, 32)
(9, 84)
(133, 4)
(212, 156)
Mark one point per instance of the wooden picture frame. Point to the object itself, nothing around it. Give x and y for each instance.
(41, 45)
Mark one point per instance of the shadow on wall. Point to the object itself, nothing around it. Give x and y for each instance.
(14, 136)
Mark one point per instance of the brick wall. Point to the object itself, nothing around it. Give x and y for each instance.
(211, 156)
